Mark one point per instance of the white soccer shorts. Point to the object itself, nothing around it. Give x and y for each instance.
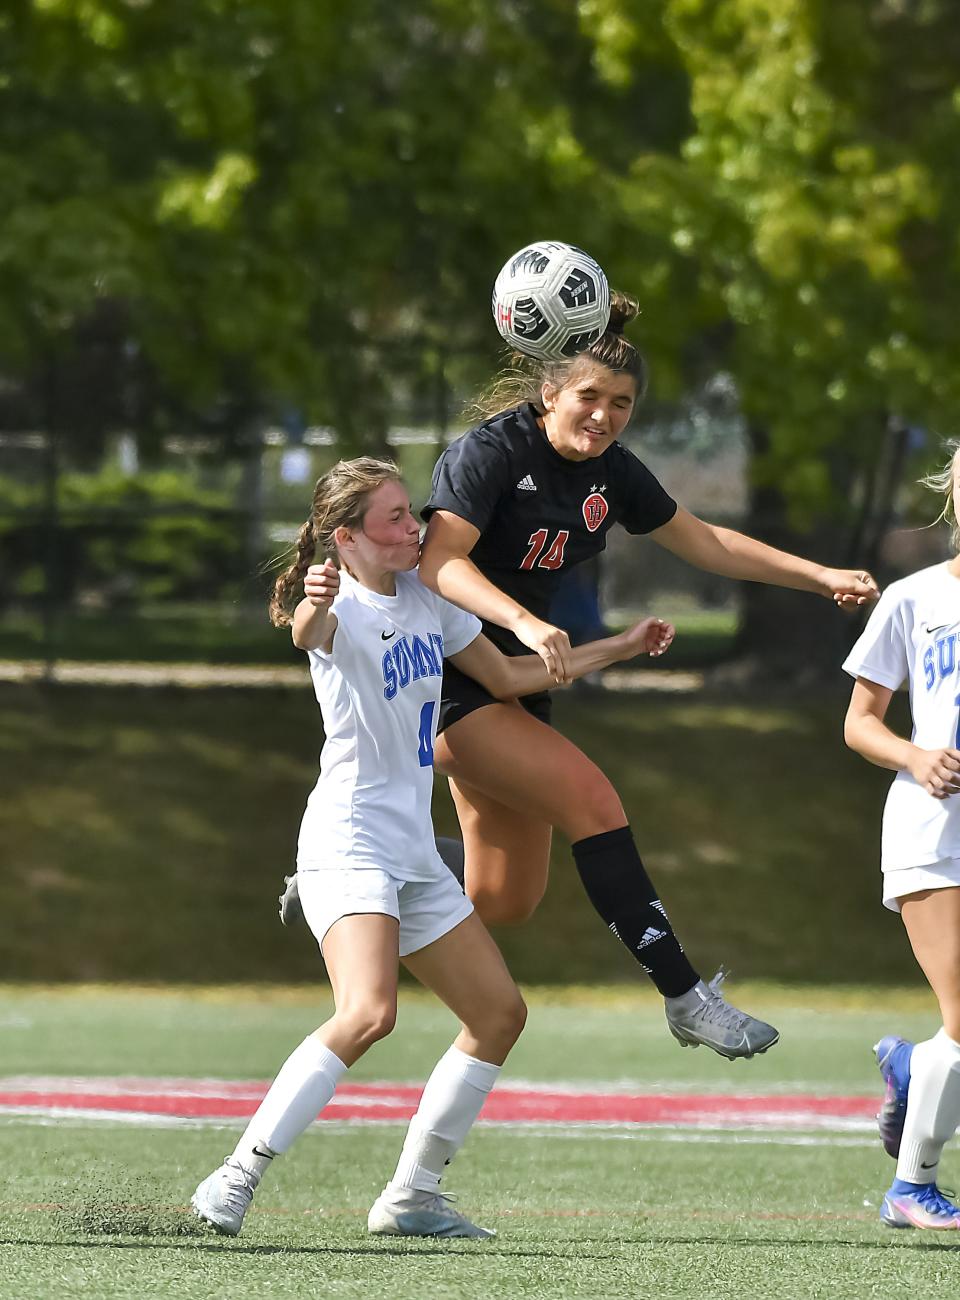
(901, 881)
(426, 909)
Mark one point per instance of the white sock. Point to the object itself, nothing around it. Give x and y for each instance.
(933, 1107)
(307, 1080)
(451, 1101)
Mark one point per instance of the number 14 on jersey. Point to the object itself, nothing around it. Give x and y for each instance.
(538, 557)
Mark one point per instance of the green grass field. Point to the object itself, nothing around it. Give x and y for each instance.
(146, 832)
(99, 1208)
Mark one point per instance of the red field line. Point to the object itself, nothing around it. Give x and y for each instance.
(214, 1099)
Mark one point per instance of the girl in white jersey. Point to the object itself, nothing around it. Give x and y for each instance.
(373, 888)
(914, 635)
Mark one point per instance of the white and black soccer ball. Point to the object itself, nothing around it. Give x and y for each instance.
(551, 300)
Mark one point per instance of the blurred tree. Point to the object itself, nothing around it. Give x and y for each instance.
(221, 206)
(812, 213)
(218, 209)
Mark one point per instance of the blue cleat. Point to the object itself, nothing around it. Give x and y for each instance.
(893, 1057)
(918, 1205)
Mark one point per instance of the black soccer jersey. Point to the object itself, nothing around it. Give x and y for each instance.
(539, 513)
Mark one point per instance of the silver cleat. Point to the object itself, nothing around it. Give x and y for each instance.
(224, 1198)
(420, 1214)
(704, 1016)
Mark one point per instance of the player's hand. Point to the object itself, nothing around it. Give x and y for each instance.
(651, 636)
(551, 643)
(849, 588)
(321, 584)
(937, 771)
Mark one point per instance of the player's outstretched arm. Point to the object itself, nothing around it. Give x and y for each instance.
(507, 676)
(313, 621)
(734, 555)
(937, 771)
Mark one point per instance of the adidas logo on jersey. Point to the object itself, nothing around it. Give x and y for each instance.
(527, 484)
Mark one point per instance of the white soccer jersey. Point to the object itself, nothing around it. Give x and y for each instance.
(379, 692)
(914, 633)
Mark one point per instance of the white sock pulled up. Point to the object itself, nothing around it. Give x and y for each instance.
(933, 1107)
(451, 1102)
(306, 1082)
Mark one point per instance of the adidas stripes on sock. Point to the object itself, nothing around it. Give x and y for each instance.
(621, 891)
(933, 1108)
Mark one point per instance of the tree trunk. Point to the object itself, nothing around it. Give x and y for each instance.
(792, 637)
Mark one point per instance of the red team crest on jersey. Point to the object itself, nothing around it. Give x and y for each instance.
(595, 510)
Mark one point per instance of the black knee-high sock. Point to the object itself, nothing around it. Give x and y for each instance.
(620, 889)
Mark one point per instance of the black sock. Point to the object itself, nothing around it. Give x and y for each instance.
(620, 889)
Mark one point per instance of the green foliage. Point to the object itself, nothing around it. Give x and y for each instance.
(812, 213)
(121, 541)
(217, 207)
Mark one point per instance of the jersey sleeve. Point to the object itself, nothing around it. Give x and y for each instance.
(458, 627)
(469, 480)
(646, 504)
(880, 652)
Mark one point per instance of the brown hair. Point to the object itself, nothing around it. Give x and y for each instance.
(339, 501)
(523, 378)
(941, 480)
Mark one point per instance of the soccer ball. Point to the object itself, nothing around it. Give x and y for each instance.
(551, 301)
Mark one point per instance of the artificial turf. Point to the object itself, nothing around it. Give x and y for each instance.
(100, 1208)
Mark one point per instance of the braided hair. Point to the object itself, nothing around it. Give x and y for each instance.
(339, 501)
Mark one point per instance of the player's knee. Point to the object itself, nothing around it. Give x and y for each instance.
(596, 809)
(500, 1023)
(505, 907)
(513, 1018)
(370, 1022)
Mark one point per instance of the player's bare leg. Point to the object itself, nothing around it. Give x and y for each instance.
(495, 839)
(465, 969)
(932, 1114)
(512, 776)
(360, 953)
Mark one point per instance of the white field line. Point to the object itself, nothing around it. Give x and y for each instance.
(54, 1118)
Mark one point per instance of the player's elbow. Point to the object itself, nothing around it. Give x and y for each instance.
(852, 725)
(430, 564)
(502, 684)
(304, 639)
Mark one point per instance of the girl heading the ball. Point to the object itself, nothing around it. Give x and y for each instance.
(522, 497)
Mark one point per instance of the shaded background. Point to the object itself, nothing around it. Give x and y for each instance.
(240, 240)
